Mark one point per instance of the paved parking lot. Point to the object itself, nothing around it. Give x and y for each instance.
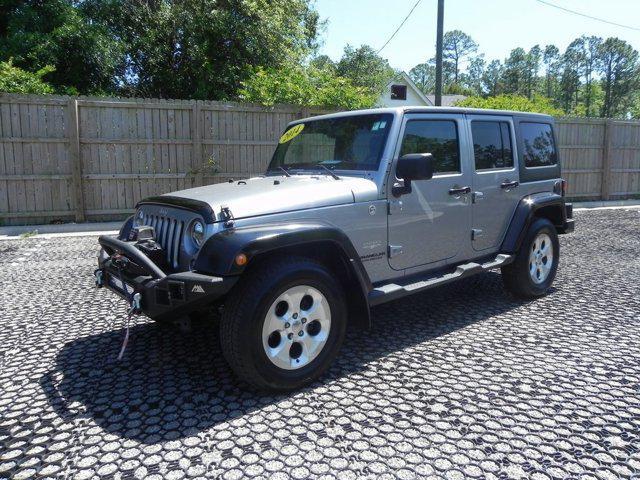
(462, 381)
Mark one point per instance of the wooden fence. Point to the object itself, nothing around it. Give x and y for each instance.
(66, 158)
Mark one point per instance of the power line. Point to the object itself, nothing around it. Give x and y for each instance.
(399, 26)
(588, 16)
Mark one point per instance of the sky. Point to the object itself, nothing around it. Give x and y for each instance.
(497, 26)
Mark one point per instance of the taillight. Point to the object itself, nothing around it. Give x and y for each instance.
(560, 187)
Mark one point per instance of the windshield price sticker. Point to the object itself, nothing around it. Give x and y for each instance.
(291, 133)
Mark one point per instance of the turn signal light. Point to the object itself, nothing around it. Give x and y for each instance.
(241, 259)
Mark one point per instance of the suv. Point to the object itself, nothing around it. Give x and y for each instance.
(355, 209)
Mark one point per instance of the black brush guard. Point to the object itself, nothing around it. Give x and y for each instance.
(125, 270)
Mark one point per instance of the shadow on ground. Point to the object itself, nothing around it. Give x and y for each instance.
(173, 384)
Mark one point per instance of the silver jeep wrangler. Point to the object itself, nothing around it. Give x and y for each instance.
(355, 209)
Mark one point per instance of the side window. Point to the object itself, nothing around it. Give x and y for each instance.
(437, 137)
(539, 149)
(491, 145)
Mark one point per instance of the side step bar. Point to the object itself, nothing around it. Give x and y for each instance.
(393, 291)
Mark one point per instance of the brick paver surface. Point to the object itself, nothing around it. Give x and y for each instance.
(463, 381)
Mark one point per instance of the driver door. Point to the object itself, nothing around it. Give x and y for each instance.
(432, 222)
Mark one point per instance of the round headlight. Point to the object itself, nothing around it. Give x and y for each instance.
(197, 232)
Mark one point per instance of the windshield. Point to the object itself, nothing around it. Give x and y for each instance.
(344, 143)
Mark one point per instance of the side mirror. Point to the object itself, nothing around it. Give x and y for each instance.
(413, 166)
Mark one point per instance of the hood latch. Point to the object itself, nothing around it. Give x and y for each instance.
(227, 216)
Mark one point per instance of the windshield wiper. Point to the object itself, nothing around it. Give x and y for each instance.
(286, 172)
(336, 177)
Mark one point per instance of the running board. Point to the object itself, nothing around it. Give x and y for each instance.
(392, 291)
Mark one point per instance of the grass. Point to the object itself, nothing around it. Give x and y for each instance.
(30, 234)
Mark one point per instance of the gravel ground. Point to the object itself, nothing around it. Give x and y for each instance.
(461, 381)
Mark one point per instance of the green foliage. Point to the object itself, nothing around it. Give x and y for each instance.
(205, 48)
(166, 48)
(57, 33)
(16, 80)
(424, 76)
(29, 234)
(537, 104)
(305, 86)
(591, 77)
(620, 76)
(365, 68)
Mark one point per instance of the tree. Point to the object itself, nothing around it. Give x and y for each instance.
(473, 79)
(300, 85)
(532, 65)
(491, 78)
(619, 69)
(205, 48)
(515, 72)
(57, 33)
(16, 80)
(364, 67)
(323, 62)
(572, 62)
(456, 47)
(550, 59)
(424, 76)
(518, 103)
(590, 57)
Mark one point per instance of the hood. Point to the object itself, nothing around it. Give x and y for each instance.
(277, 194)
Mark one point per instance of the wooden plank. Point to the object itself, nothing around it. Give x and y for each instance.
(606, 160)
(196, 135)
(33, 140)
(45, 214)
(76, 160)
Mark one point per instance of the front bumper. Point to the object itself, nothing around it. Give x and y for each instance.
(125, 270)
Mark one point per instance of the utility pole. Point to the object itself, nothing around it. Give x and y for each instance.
(439, 53)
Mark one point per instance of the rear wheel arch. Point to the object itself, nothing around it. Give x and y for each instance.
(548, 205)
(554, 213)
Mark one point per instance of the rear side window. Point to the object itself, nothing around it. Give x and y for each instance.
(437, 137)
(539, 149)
(491, 145)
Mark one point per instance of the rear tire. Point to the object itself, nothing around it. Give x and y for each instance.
(283, 324)
(536, 263)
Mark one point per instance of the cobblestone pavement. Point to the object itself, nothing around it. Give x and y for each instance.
(461, 381)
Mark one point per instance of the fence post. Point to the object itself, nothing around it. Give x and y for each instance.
(197, 144)
(76, 160)
(606, 159)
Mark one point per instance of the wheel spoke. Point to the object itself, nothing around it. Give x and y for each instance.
(280, 354)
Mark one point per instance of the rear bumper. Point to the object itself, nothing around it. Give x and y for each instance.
(125, 270)
(568, 225)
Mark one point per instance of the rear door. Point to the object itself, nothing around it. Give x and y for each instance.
(495, 179)
(431, 223)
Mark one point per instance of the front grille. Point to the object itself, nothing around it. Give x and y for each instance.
(169, 232)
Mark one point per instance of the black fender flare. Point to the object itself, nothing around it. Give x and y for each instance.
(554, 208)
(217, 255)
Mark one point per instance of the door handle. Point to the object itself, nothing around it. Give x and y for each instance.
(459, 191)
(507, 184)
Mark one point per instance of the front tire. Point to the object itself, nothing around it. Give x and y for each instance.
(283, 324)
(536, 263)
